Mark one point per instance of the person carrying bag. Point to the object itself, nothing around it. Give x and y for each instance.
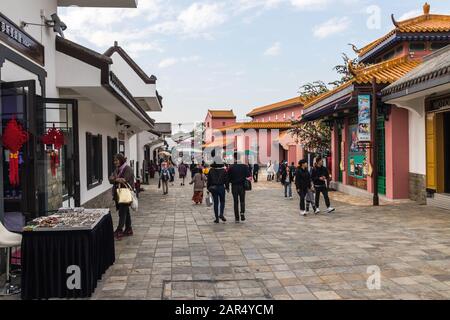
(122, 180)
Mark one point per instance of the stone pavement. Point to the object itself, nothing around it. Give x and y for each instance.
(177, 251)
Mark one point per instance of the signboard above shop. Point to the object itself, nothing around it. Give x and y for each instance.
(16, 38)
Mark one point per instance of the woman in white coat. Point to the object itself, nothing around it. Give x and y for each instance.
(270, 171)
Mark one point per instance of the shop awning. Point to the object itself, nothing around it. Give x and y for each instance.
(86, 74)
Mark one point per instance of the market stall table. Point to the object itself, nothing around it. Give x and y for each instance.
(54, 247)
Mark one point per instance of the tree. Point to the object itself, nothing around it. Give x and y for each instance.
(314, 136)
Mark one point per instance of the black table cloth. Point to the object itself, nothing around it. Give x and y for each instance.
(46, 256)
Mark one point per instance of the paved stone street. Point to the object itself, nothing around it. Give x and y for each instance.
(178, 253)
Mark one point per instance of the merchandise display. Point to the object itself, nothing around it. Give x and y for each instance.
(68, 219)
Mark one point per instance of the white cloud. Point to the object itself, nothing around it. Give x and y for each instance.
(200, 17)
(410, 14)
(331, 27)
(310, 4)
(244, 5)
(274, 50)
(169, 62)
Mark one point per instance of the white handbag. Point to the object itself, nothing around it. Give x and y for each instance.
(128, 196)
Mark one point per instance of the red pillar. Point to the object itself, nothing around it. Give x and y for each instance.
(397, 154)
(344, 151)
(334, 153)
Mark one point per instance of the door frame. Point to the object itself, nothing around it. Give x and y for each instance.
(30, 203)
(76, 147)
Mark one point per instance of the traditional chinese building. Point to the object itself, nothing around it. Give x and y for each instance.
(425, 94)
(347, 109)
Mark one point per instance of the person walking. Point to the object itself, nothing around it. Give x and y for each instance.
(182, 172)
(255, 172)
(270, 171)
(164, 177)
(287, 177)
(320, 177)
(199, 182)
(193, 169)
(172, 174)
(122, 175)
(303, 184)
(151, 169)
(217, 183)
(237, 174)
(276, 170)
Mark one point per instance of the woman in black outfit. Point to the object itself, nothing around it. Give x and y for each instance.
(303, 185)
(120, 177)
(217, 184)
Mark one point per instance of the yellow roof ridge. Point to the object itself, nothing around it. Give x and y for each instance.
(276, 106)
(383, 72)
(421, 23)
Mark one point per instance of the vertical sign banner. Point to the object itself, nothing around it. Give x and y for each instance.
(364, 118)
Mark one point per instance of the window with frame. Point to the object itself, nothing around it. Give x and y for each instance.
(112, 151)
(94, 160)
(417, 46)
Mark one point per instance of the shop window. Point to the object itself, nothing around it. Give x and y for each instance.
(112, 151)
(416, 46)
(438, 45)
(94, 160)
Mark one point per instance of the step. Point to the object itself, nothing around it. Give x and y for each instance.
(440, 200)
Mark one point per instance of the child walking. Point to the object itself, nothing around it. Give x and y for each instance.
(199, 181)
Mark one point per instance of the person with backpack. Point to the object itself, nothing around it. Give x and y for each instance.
(217, 184)
(172, 174)
(164, 177)
(303, 184)
(321, 177)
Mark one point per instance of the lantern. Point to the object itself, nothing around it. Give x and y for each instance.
(53, 141)
(14, 137)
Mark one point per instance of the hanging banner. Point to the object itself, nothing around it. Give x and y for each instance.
(364, 118)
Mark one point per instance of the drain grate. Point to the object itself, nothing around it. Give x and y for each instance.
(215, 290)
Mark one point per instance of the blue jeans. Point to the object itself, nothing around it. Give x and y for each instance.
(288, 189)
(219, 200)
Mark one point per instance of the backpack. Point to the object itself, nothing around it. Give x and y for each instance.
(165, 176)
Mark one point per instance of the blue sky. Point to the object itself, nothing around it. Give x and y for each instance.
(237, 54)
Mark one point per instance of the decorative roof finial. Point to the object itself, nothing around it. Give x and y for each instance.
(394, 21)
(116, 44)
(351, 68)
(426, 8)
(355, 48)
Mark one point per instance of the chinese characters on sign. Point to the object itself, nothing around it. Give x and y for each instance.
(364, 118)
(18, 39)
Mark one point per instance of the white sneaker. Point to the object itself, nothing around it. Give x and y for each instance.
(303, 213)
(317, 211)
(330, 210)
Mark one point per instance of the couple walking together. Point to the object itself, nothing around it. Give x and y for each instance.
(218, 182)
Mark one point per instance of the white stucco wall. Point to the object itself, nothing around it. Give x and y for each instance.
(96, 121)
(136, 86)
(30, 11)
(417, 144)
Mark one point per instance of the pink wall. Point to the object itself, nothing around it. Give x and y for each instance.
(397, 154)
(280, 113)
(215, 123)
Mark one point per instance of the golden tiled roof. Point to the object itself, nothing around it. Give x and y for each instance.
(223, 114)
(385, 72)
(276, 106)
(258, 125)
(219, 142)
(424, 23)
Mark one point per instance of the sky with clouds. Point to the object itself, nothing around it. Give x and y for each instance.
(236, 54)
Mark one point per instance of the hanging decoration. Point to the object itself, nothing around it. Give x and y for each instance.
(53, 141)
(14, 137)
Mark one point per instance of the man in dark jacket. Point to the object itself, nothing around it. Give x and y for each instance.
(303, 185)
(217, 183)
(255, 172)
(237, 174)
(320, 177)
